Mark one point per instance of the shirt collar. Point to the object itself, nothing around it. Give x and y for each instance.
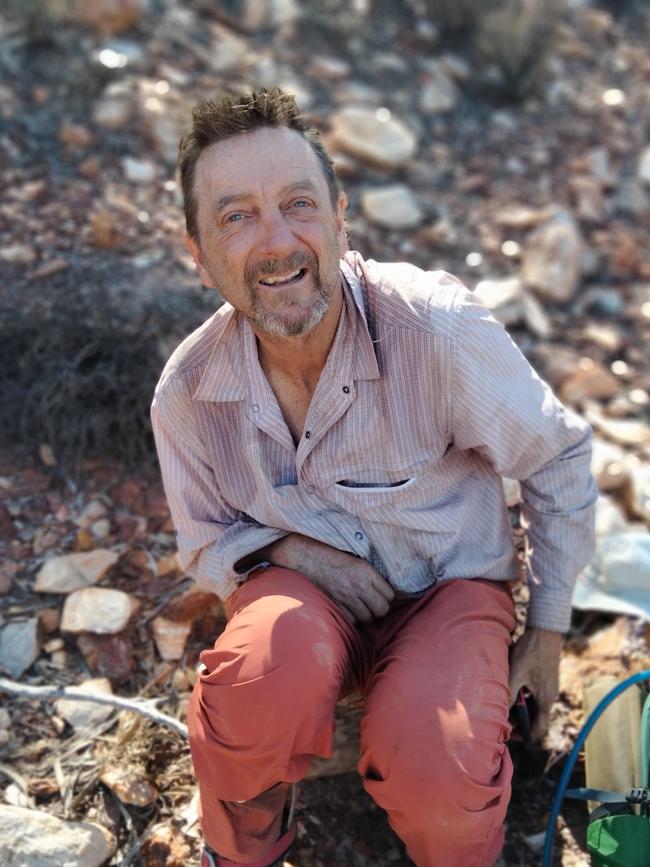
(225, 374)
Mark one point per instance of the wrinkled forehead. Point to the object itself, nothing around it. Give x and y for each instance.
(265, 159)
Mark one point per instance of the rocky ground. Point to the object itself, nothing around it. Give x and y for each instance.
(542, 205)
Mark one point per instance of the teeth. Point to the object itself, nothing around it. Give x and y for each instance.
(271, 280)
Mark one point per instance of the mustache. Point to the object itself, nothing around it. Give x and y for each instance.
(273, 267)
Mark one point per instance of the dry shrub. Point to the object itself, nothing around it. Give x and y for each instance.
(82, 381)
(453, 16)
(517, 38)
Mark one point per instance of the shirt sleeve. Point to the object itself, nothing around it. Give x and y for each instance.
(211, 536)
(503, 410)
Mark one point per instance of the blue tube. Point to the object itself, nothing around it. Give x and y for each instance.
(573, 755)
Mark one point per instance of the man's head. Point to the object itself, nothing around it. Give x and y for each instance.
(264, 214)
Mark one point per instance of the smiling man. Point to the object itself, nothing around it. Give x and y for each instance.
(331, 443)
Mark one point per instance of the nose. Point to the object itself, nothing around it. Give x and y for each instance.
(276, 238)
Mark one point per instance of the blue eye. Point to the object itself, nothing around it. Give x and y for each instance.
(234, 218)
(301, 203)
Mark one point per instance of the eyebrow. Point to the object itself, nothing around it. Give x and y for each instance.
(224, 201)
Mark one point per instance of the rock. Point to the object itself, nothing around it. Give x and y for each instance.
(170, 637)
(101, 529)
(329, 68)
(631, 198)
(590, 381)
(522, 216)
(110, 16)
(626, 432)
(511, 491)
(535, 842)
(192, 604)
(392, 207)
(113, 109)
(609, 516)
(588, 195)
(82, 715)
(438, 92)
(623, 561)
(18, 254)
(104, 230)
(597, 164)
(643, 172)
(608, 337)
(97, 609)
(373, 137)
(73, 135)
(608, 465)
(164, 845)
(535, 317)
(20, 645)
(168, 565)
(552, 258)
(73, 571)
(91, 512)
(33, 838)
(638, 492)
(8, 571)
(502, 297)
(129, 787)
(138, 171)
(49, 269)
(108, 655)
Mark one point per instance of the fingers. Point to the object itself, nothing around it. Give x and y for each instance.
(382, 586)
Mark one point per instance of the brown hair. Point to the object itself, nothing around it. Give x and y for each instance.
(215, 121)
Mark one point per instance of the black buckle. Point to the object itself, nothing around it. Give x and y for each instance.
(640, 795)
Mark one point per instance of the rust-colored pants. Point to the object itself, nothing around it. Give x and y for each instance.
(434, 674)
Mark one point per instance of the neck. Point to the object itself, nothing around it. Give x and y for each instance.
(301, 358)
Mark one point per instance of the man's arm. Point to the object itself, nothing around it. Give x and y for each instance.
(505, 412)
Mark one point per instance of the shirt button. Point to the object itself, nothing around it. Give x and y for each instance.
(346, 389)
(311, 489)
(358, 536)
(255, 407)
(307, 434)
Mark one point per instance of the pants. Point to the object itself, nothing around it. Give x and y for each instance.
(434, 675)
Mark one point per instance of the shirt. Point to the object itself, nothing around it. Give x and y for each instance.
(423, 404)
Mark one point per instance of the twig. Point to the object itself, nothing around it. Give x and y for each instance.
(76, 694)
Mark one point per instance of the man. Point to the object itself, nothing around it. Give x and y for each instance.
(331, 443)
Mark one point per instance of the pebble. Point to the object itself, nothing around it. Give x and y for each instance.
(113, 109)
(138, 171)
(511, 491)
(644, 166)
(608, 337)
(73, 571)
(129, 787)
(373, 137)
(18, 254)
(588, 195)
(170, 637)
(535, 317)
(33, 838)
(20, 646)
(503, 297)
(552, 258)
(91, 512)
(108, 655)
(85, 715)
(391, 207)
(610, 518)
(100, 610)
(438, 93)
(608, 465)
(590, 381)
(638, 492)
(626, 432)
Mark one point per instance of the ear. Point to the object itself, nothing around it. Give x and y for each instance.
(341, 233)
(195, 253)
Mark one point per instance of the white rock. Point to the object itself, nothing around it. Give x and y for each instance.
(101, 529)
(625, 431)
(18, 254)
(609, 516)
(73, 571)
(638, 492)
(644, 166)
(113, 108)
(34, 838)
(170, 637)
(608, 465)
(623, 561)
(535, 317)
(20, 645)
(373, 137)
(82, 715)
(502, 297)
(552, 258)
(393, 207)
(138, 171)
(92, 511)
(438, 93)
(511, 491)
(97, 609)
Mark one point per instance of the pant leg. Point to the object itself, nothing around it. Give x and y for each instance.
(433, 751)
(263, 706)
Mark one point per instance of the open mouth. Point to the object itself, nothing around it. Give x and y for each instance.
(284, 279)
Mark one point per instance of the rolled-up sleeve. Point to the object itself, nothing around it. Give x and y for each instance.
(212, 537)
(503, 410)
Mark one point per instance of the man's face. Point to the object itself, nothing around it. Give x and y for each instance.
(269, 238)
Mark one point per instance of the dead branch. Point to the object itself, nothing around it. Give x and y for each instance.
(76, 694)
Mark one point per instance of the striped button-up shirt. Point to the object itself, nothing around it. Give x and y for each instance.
(423, 404)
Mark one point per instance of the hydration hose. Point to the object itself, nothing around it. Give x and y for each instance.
(573, 756)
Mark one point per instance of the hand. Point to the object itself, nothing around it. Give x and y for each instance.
(356, 586)
(535, 663)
